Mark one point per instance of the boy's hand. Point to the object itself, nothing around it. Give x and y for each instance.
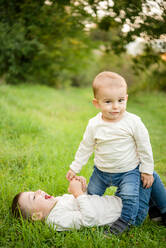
(83, 182)
(147, 180)
(75, 188)
(70, 175)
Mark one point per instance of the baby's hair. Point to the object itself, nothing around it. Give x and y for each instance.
(16, 210)
(115, 79)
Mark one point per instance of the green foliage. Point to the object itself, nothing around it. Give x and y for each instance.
(41, 129)
(136, 13)
(43, 43)
(152, 66)
(112, 62)
(143, 22)
(47, 42)
(156, 80)
(106, 22)
(16, 52)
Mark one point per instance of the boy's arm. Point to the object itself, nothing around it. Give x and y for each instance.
(145, 154)
(87, 211)
(84, 151)
(65, 217)
(68, 217)
(144, 148)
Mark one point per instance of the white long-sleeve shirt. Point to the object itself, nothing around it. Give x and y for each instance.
(85, 210)
(118, 146)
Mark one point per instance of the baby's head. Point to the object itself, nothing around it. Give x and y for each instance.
(108, 79)
(110, 95)
(35, 205)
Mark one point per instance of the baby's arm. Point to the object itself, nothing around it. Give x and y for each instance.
(75, 188)
(147, 180)
(83, 182)
(88, 213)
(68, 216)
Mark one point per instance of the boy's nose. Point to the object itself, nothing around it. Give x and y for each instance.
(115, 105)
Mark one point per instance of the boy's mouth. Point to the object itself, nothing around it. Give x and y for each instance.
(48, 196)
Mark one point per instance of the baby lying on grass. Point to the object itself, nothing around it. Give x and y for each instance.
(77, 209)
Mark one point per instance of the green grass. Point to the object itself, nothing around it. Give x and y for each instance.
(40, 130)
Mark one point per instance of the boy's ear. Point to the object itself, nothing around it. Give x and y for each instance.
(37, 216)
(95, 103)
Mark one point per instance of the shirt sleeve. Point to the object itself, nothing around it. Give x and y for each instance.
(84, 151)
(88, 214)
(66, 218)
(144, 148)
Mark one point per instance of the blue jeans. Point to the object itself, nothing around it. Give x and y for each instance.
(156, 195)
(127, 183)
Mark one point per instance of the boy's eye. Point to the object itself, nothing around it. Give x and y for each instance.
(107, 101)
(121, 100)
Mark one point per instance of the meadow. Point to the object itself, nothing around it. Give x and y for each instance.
(40, 130)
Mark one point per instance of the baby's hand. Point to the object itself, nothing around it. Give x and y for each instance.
(147, 180)
(70, 175)
(75, 188)
(83, 182)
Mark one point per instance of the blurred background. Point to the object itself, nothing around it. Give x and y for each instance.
(67, 42)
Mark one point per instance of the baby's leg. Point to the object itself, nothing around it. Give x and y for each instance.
(157, 197)
(158, 194)
(97, 184)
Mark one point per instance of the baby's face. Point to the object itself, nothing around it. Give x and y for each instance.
(38, 201)
(111, 100)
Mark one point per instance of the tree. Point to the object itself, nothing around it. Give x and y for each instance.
(143, 18)
(42, 41)
(47, 41)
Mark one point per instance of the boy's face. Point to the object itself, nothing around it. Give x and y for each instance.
(36, 203)
(111, 100)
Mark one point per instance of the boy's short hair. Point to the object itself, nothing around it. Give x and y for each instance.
(112, 76)
(16, 210)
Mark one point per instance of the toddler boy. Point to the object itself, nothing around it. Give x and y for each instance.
(121, 145)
